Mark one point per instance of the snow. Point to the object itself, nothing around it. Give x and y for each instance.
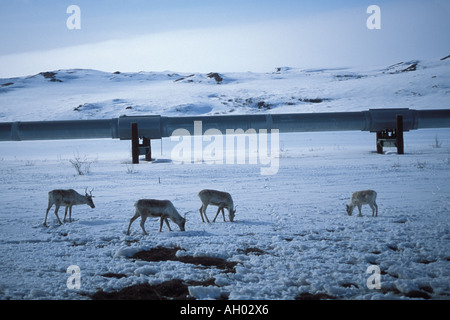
(296, 218)
(87, 94)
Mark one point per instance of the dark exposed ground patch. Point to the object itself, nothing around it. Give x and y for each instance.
(157, 254)
(164, 254)
(114, 275)
(341, 77)
(313, 100)
(210, 262)
(215, 76)
(417, 294)
(423, 292)
(402, 67)
(254, 250)
(425, 261)
(51, 76)
(316, 296)
(175, 289)
(349, 285)
(412, 67)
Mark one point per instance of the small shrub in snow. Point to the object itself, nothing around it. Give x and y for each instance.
(437, 143)
(81, 164)
(421, 164)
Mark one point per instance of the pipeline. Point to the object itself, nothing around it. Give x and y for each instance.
(157, 127)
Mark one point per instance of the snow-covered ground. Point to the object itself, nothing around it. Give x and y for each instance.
(291, 233)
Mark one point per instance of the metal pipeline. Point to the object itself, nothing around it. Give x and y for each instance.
(55, 130)
(156, 127)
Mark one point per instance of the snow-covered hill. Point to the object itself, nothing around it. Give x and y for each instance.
(85, 94)
(291, 239)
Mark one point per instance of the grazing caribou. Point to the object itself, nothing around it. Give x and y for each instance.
(363, 197)
(163, 209)
(68, 199)
(216, 198)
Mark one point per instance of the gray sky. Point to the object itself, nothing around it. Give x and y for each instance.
(212, 35)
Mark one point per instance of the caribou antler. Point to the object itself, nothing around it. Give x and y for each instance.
(90, 191)
(184, 216)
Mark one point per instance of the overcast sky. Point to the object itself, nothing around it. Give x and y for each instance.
(213, 35)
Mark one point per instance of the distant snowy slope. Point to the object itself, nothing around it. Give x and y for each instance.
(86, 94)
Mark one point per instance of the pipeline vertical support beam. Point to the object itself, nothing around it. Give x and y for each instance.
(379, 144)
(399, 135)
(134, 143)
(392, 137)
(386, 138)
(147, 146)
(137, 148)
